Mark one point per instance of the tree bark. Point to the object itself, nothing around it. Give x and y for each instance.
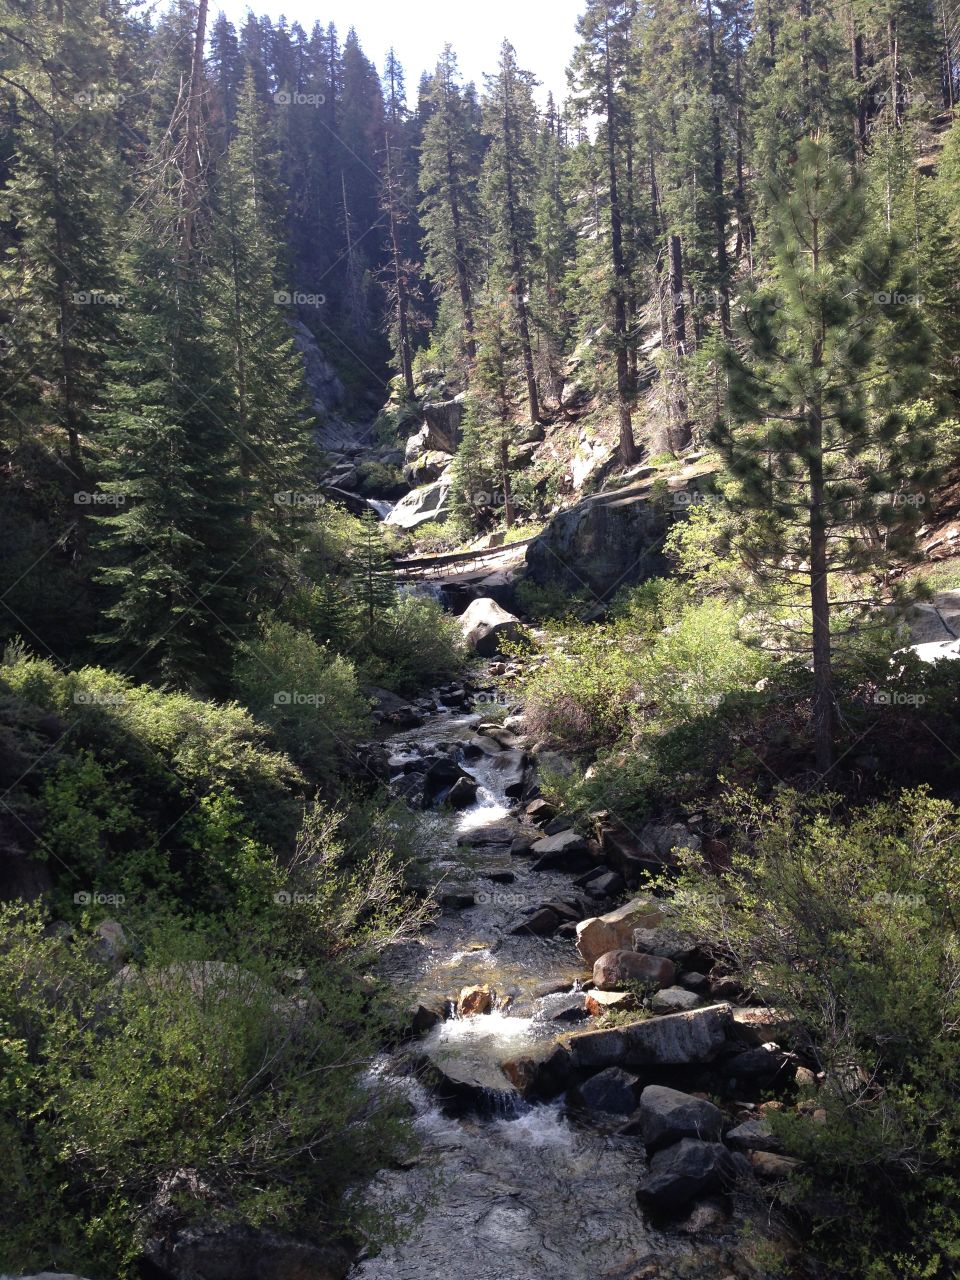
(191, 159)
(719, 204)
(629, 453)
(823, 716)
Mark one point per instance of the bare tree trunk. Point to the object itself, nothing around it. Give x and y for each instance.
(823, 716)
(401, 297)
(192, 163)
(629, 453)
(719, 209)
(516, 264)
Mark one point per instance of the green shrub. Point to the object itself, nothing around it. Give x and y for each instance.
(550, 602)
(848, 923)
(698, 660)
(145, 793)
(412, 645)
(580, 698)
(239, 1088)
(308, 696)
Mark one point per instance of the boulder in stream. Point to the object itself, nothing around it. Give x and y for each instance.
(614, 931)
(687, 1170)
(474, 1000)
(613, 1090)
(566, 851)
(243, 1253)
(664, 1116)
(675, 1039)
(617, 969)
(485, 625)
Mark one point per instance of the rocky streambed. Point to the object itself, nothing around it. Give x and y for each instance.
(588, 1093)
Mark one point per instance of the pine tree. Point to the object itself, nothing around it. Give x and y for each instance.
(448, 182)
(372, 573)
(832, 350)
(179, 553)
(509, 178)
(59, 273)
(251, 309)
(605, 32)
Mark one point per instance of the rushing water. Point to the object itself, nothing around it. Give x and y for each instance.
(518, 1191)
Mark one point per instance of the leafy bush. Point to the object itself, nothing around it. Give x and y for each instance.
(848, 923)
(142, 792)
(308, 695)
(413, 644)
(185, 1089)
(581, 696)
(551, 601)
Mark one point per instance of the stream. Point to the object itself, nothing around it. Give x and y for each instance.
(505, 1189)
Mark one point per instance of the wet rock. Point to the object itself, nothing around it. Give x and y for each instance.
(495, 833)
(664, 1116)
(511, 768)
(753, 1135)
(440, 776)
(243, 1253)
(458, 899)
(687, 1170)
(572, 1009)
(606, 884)
(485, 626)
(605, 542)
(543, 922)
(723, 987)
(422, 1016)
(428, 503)
(614, 931)
(759, 1067)
(480, 745)
(698, 982)
(549, 1076)
(426, 467)
(556, 825)
(500, 877)
(540, 811)
(564, 852)
(474, 1000)
(674, 1000)
(673, 1040)
(410, 787)
(521, 846)
(758, 1025)
(601, 1002)
(613, 1090)
(616, 969)
(463, 793)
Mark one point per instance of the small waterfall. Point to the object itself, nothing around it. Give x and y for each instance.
(380, 506)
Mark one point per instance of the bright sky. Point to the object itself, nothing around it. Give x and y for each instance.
(542, 31)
